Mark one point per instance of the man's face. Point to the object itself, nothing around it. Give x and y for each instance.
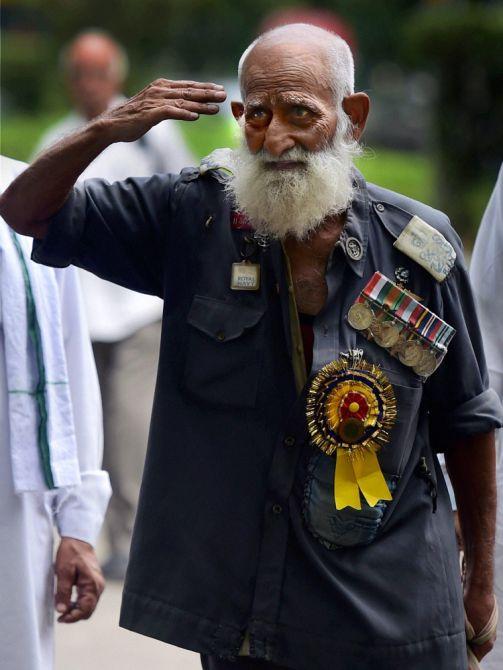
(288, 102)
(293, 170)
(93, 79)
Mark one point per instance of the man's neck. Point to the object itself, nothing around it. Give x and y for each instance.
(321, 241)
(308, 261)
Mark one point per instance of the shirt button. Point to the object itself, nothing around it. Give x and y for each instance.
(289, 441)
(380, 207)
(220, 336)
(277, 509)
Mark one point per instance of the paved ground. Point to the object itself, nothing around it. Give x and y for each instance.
(99, 644)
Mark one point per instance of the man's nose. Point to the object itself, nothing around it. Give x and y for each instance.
(277, 139)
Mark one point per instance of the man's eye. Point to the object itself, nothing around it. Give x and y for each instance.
(257, 114)
(300, 112)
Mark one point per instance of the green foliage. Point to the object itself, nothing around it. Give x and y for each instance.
(21, 133)
(24, 57)
(461, 42)
(464, 46)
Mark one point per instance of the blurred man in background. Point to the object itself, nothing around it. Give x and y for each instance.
(50, 452)
(487, 278)
(124, 326)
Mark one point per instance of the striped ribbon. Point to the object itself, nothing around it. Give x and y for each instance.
(384, 293)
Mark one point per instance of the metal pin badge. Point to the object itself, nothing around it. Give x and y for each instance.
(354, 248)
(402, 275)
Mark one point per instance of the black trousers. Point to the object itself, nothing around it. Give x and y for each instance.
(242, 663)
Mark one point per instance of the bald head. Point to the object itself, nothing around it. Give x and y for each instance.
(95, 66)
(311, 47)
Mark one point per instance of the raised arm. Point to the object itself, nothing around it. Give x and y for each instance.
(40, 191)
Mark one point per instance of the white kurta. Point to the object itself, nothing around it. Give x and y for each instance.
(27, 520)
(486, 272)
(113, 312)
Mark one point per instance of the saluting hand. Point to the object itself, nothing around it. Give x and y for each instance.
(160, 100)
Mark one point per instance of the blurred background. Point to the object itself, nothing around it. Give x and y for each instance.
(433, 70)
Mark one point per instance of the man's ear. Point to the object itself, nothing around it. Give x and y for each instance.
(357, 108)
(238, 109)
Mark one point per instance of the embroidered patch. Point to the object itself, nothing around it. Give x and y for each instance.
(425, 245)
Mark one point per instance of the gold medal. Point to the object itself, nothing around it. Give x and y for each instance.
(360, 316)
(427, 365)
(410, 353)
(386, 333)
(245, 276)
(351, 409)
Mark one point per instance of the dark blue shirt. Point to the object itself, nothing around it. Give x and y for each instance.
(236, 529)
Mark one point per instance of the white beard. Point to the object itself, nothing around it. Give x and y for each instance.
(293, 202)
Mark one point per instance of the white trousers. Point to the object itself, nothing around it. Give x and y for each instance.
(26, 574)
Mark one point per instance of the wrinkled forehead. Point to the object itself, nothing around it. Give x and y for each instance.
(281, 67)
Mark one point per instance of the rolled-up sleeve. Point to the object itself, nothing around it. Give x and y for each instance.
(114, 230)
(459, 399)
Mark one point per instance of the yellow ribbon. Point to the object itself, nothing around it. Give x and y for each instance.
(355, 473)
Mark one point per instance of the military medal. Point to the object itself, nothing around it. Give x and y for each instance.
(400, 324)
(360, 316)
(245, 276)
(427, 365)
(351, 409)
(410, 353)
(386, 333)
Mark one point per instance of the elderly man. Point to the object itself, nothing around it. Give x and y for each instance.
(292, 510)
(124, 326)
(50, 453)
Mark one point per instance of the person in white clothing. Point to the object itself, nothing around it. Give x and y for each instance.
(50, 453)
(124, 326)
(486, 273)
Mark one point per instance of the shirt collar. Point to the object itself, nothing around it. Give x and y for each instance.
(354, 237)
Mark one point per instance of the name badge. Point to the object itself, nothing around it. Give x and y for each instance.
(245, 276)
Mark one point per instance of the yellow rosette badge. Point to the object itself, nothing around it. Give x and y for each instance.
(351, 409)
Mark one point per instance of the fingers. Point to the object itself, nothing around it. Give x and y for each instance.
(192, 94)
(168, 83)
(76, 566)
(65, 578)
(182, 111)
(90, 586)
(482, 650)
(186, 90)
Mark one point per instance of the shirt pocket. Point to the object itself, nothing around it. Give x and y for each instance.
(224, 352)
(394, 456)
(335, 528)
(350, 527)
